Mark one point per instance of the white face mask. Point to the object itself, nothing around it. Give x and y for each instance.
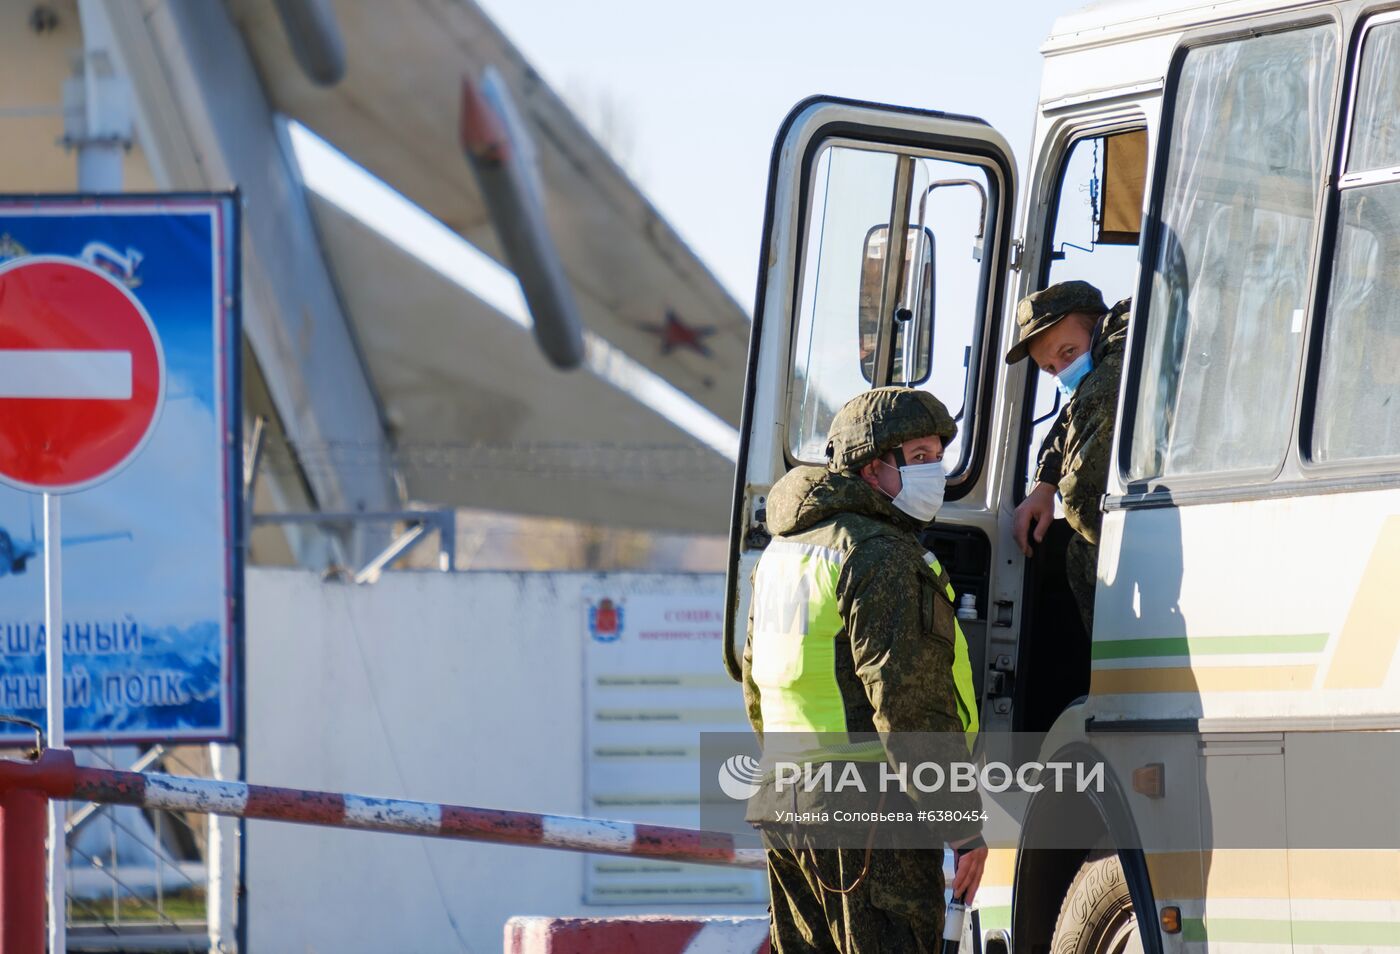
(921, 491)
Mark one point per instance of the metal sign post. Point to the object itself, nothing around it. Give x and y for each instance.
(97, 124)
(53, 657)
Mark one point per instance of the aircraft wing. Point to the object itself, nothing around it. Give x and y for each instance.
(473, 413)
(82, 539)
(479, 416)
(395, 112)
(96, 538)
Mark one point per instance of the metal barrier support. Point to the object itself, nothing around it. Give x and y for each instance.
(22, 879)
(25, 789)
(26, 786)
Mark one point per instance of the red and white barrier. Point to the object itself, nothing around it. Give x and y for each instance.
(649, 934)
(338, 810)
(25, 785)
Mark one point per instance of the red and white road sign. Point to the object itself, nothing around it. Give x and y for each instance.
(82, 374)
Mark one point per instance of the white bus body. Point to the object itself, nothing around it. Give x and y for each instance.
(1241, 162)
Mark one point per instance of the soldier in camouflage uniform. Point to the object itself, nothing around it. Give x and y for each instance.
(852, 632)
(1070, 333)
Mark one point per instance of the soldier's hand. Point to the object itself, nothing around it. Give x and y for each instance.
(1033, 516)
(967, 877)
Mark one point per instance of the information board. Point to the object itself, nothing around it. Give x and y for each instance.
(654, 682)
(151, 567)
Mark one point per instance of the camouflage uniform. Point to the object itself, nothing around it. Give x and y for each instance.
(893, 661)
(898, 907)
(1075, 453)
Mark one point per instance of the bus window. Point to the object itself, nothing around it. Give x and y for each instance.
(1358, 397)
(1090, 243)
(853, 191)
(1231, 261)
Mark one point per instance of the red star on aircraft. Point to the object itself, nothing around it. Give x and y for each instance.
(675, 333)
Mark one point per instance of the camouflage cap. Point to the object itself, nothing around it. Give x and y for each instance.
(881, 419)
(1039, 311)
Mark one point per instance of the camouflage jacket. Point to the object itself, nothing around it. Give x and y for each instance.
(894, 652)
(1074, 455)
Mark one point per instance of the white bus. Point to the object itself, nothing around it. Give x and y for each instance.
(1234, 167)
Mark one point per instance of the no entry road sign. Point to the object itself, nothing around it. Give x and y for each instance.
(82, 374)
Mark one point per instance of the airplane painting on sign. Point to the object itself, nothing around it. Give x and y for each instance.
(16, 554)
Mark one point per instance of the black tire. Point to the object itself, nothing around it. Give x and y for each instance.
(1097, 915)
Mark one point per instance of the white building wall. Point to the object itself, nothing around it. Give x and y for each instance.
(463, 688)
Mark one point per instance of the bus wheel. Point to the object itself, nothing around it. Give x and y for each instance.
(1097, 915)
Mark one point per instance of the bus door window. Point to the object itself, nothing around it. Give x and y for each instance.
(846, 286)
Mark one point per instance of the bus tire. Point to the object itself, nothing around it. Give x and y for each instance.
(1097, 915)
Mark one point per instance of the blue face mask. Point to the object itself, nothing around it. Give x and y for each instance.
(1074, 372)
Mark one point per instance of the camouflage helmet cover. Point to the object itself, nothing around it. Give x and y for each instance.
(879, 420)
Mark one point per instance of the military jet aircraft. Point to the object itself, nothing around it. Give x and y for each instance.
(16, 554)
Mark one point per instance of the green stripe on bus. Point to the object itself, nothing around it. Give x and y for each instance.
(1208, 645)
(1278, 931)
(1252, 930)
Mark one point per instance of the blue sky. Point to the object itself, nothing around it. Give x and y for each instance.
(698, 90)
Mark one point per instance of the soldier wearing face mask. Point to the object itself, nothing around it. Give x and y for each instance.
(1070, 333)
(853, 632)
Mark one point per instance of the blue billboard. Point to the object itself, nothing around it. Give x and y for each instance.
(152, 561)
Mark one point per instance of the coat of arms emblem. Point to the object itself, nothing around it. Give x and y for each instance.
(605, 621)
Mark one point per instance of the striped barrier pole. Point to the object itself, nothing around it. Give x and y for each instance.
(365, 813)
(27, 784)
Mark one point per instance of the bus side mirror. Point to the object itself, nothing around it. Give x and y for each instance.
(914, 312)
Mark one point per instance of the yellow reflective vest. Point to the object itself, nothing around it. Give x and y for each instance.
(793, 647)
